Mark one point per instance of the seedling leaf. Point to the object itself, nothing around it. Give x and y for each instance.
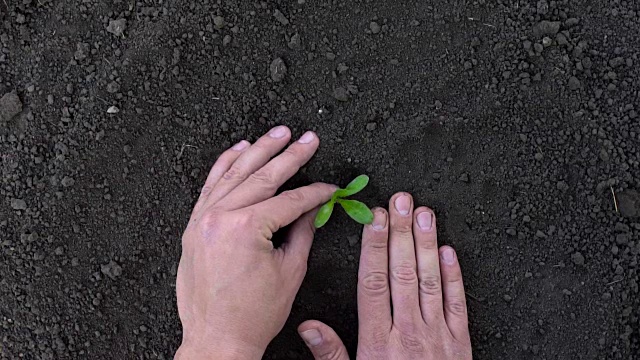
(357, 211)
(324, 214)
(354, 187)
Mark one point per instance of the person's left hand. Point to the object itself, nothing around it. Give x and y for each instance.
(234, 289)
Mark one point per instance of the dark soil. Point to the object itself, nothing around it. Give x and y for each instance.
(516, 120)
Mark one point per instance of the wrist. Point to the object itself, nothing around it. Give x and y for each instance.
(210, 349)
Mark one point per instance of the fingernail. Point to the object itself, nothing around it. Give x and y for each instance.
(379, 220)
(312, 337)
(278, 132)
(448, 256)
(307, 138)
(241, 145)
(403, 204)
(425, 220)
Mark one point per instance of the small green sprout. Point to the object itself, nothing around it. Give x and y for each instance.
(355, 209)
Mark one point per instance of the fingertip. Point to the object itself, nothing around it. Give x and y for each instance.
(401, 203)
(425, 218)
(380, 219)
(447, 255)
(322, 340)
(279, 132)
(308, 138)
(241, 145)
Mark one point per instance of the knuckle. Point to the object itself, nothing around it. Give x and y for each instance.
(245, 219)
(412, 344)
(210, 223)
(374, 283)
(428, 243)
(234, 174)
(264, 178)
(293, 195)
(206, 190)
(402, 227)
(431, 285)
(404, 274)
(333, 353)
(456, 306)
(377, 244)
(375, 341)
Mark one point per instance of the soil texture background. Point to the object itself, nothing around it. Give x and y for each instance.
(515, 120)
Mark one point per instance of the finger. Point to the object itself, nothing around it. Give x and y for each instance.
(299, 239)
(430, 283)
(264, 183)
(455, 304)
(403, 277)
(323, 342)
(251, 160)
(221, 166)
(374, 298)
(282, 210)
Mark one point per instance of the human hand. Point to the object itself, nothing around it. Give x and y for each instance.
(411, 300)
(234, 289)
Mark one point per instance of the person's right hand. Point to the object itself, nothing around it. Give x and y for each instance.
(411, 301)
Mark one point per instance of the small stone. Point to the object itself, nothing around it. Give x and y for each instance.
(278, 70)
(622, 239)
(353, 240)
(18, 204)
(511, 232)
(562, 39)
(67, 181)
(280, 17)
(546, 28)
(113, 110)
(562, 186)
(218, 22)
(374, 27)
(629, 203)
(507, 298)
(371, 126)
(577, 258)
(538, 47)
(540, 234)
(574, 83)
(464, 178)
(82, 51)
(112, 270)
(117, 27)
(59, 250)
(10, 106)
(294, 42)
(341, 94)
(113, 87)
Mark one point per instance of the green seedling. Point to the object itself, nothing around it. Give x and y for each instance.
(357, 210)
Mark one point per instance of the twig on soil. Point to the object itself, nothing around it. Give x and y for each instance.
(485, 24)
(615, 201)
(473, 297)
(615, 282)
(185, 146)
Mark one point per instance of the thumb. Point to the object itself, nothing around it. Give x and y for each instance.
(323, 342)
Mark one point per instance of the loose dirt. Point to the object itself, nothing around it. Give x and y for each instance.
(515, 120)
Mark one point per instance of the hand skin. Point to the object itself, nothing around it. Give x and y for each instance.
(401, 267)
(235, 290)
